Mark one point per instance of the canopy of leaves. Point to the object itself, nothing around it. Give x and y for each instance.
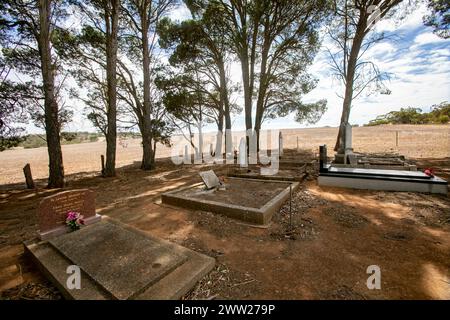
(439, 114)
(439, 17)
(21, 91)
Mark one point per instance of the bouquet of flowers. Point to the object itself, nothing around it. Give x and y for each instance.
(74, 220)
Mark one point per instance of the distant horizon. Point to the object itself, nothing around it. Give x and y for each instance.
(281, 129)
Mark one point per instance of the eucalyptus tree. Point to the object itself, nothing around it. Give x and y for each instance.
(14, 101)
(140, 43)
(100, 24)
(353, 33)
(286, 46)
(88, 61)
(189, 102)
(275, 42)
(198, 45)
(31, 32)
(130, 94)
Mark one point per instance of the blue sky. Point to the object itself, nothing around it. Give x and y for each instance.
(418, 61)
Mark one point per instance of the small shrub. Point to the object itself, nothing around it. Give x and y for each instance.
(444, 119)
(34, 141)
(93, 138)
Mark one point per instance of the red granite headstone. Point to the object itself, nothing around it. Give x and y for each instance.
(52, 211)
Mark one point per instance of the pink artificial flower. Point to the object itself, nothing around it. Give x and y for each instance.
(72, 215)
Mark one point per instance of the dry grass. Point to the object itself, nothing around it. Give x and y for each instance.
(424, 141)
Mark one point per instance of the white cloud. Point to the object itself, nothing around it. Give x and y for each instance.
(428, 37)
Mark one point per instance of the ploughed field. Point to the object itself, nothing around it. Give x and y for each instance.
(414, 141)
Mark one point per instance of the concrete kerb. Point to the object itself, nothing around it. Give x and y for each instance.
(260, 215)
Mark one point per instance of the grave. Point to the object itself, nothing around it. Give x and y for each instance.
(116, 261)
(243, 161)
(280, 144)
(52, 211)
(283, 174)
(210, 179)
(250, 200)
(351, 159)
(377, 179)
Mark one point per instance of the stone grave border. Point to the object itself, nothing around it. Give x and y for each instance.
(260, 215)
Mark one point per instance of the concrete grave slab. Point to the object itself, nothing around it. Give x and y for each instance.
(378, 179)
(183, 267)
(193, 197)
(124, 263)
(210, 179)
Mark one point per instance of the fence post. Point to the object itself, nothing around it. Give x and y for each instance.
(102, 158)
(28, 176)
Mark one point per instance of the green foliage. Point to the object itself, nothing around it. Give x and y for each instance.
(439, 114)
(93, 138)
(21, 88)
(311, 112)
(34, 141)
(439, 17)
(9, 142)
(38, 140)
(444, 119)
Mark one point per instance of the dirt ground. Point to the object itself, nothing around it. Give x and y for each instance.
(322, 252)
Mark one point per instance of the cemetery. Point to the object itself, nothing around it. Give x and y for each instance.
(251, 200)
(232, 150)
(180, 242)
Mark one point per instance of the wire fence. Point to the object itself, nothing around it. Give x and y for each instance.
(411, 141)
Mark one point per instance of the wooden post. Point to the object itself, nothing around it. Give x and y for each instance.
(102, 157)
(297, 143)
(323, 158)
(28, 176)
(396, 138)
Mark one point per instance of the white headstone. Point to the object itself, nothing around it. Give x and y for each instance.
(348, 143)
(252, 149)
(348, 137)
(280, 144)
(187, 155)
(229, 143)
(210, 179)
(243, 153)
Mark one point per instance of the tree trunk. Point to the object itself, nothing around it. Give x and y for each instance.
(111, 20)
(247, 91)
(219, 136)
(348, 96)
(261, 92)
(147, 160)
(226, 106)
(154, 154)
(262, 82)
(52, 126)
